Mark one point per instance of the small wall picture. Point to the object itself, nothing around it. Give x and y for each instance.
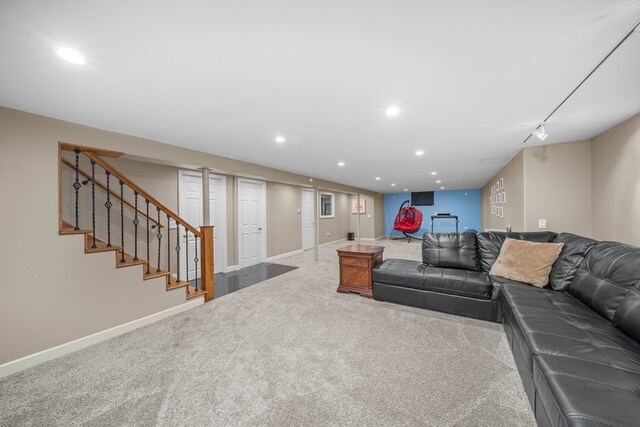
(501, 212)
(501, 183)
(504, 197)
(358, 209)
(499, 197)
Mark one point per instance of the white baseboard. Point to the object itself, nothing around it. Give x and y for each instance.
(332, 242)
(277, 257)
(80, 343)
(231, 268)
(372, 239)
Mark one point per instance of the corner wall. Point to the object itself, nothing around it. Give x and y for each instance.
(557, 187)
(512, 178)
(615, 183)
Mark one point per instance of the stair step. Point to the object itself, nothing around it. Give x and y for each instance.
(191, 292)
(128, 260)
(153, 273)
(174, 284)
(74, 231)
(101, 246)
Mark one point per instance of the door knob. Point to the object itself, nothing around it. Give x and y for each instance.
(259, 228)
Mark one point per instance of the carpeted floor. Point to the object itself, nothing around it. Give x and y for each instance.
(289, 351)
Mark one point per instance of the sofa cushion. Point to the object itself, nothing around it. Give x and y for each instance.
(581, 393)
(528, 262)
(451, 250)
(550, 322)
(627, 316)
(490, 243)
(574, 250)
(457, 282)
(605, 276)
(499, 282)
(400, 272)
(414, 274)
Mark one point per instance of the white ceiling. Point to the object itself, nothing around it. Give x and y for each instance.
(472, 79)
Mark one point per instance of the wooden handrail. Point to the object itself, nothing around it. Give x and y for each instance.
(99, 151)
(113, 193)
(119, 175)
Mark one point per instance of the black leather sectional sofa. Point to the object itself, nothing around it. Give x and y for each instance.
(576, 342)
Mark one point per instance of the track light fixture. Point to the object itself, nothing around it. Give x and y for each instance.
(541, 132)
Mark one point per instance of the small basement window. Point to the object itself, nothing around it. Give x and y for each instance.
(327, 205)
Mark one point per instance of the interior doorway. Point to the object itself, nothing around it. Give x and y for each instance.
(308, 219)
(252, 222)
(190, 208)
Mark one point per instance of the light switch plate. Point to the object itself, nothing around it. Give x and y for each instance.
(542, 223)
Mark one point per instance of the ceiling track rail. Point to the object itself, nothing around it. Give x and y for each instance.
(634, 28)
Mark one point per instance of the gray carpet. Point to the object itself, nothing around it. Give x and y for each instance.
(289, 351)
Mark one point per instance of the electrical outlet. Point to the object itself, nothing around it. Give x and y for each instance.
(542, 223)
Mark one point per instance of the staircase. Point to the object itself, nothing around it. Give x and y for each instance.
(89, 198)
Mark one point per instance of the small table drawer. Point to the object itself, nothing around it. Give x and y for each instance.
(354, 261)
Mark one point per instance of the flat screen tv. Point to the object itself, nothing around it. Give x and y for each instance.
(422, 198)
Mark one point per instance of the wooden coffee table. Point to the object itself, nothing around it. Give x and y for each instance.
(356, 263)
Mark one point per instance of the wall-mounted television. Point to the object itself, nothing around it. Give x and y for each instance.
(422, 198)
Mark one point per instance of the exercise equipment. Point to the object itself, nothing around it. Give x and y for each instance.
(444, 216)
(408, 220)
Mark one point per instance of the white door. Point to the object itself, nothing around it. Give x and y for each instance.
(308, 220)
(190, 208)
(251, 222)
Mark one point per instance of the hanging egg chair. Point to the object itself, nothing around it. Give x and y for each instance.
(408, 220)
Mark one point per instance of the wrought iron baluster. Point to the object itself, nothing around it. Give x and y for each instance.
(178, 248)
(148, 257)
(186, 253)
(122, 220)
(93, 201)
(108, 205)
(195, 260)
(77, 185)
(136, 221)
(168, 243)
(159, 236)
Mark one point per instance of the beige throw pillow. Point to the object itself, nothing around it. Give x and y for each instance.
(525, 261)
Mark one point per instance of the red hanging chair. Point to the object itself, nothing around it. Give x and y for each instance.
(408, 220)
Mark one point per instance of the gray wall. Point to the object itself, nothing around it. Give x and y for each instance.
(333, 229)
(615, 183)
(53, 292)
(284, 220)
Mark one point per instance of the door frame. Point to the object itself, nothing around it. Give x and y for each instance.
(220, 230)
(263, 218)
(313, 208)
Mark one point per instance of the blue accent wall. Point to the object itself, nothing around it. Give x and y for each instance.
(464, 203)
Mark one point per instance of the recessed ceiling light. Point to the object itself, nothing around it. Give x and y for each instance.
(438, 181)
(340, 164)
(280, 139)
(393, 185)
(70, 55)
(419, 153)
(434, 173)
(377, 178)
(442, 188)
(392, 111)
(406, 189)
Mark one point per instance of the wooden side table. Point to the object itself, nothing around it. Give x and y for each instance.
(356, 263)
